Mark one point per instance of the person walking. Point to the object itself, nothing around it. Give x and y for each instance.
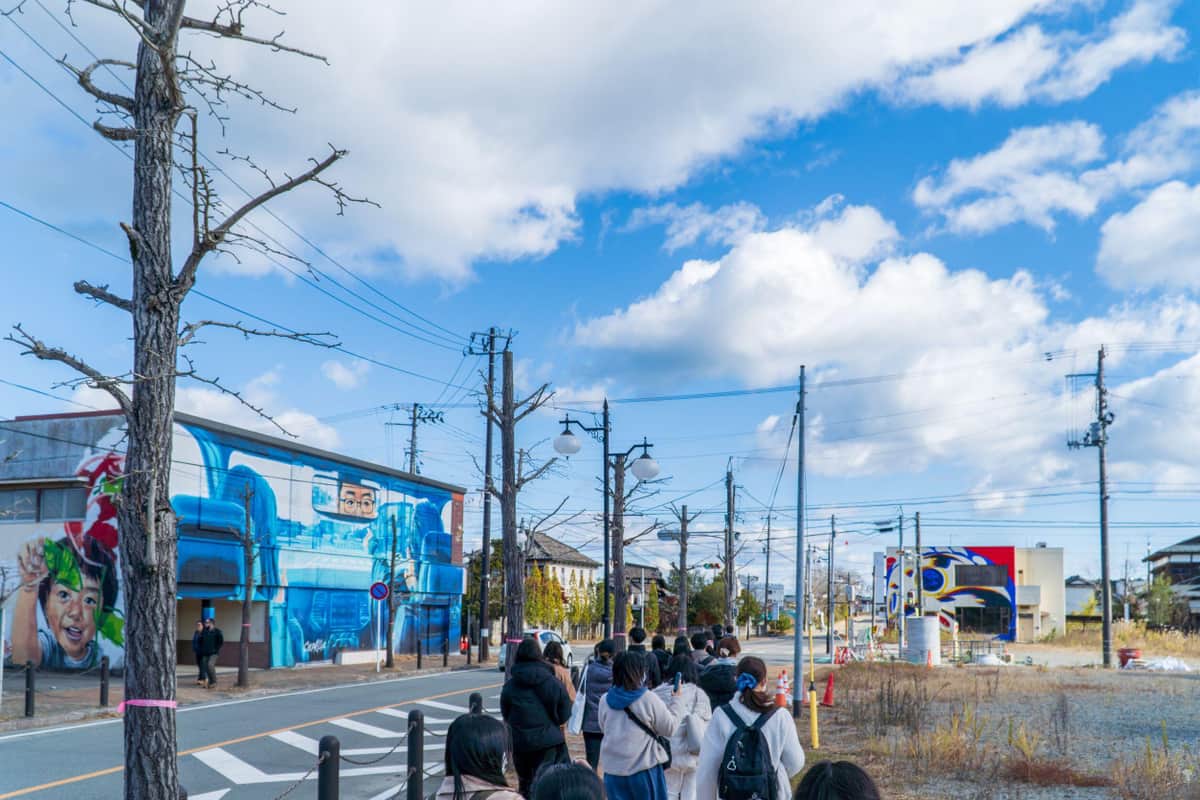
(635, 721)
(598, 678)
(694, 712)
(555, 658)
(196, 652)
(536, 707)
(682, 646)
(658, 649)
(700, 652)
(637, 639)
(476, 748)
(749, 750)
(719, 679)
(211, 641)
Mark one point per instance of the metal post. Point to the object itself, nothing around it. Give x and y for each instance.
(767, 585)
(446, 647)
(327, 771)
(606, 617)
(104, 682)
(29, 688)
(475, 703)
(919, 570)
(416, 756)
(420, 639)
(683, 571)
(901, 622)
(642, 612)
(618, 552)
(390, 659)
(830, 607)
(485, 566)
(1103, 418)
(468, 637)
(730, 588)
(798, 638)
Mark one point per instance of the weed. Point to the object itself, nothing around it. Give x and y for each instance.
(1157, 772)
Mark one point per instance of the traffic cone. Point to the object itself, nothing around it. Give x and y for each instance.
(929, 659)
(827, 700)
(781, 690)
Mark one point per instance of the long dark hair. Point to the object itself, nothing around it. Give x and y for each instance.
(476, 745)
(682, 646)
(566, 782)
(840, 780)
(682, 665)
(629, 669)
(554, 654)
(529, 650)
(751, 697)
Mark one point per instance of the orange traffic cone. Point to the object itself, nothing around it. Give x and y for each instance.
(781, 690)
(929, 659)
(827, 700)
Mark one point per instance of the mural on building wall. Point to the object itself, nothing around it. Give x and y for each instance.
(66, 613)
(991, 594)
(322, 533)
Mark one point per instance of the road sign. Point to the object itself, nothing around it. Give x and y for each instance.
(379, 590)
(668, 536)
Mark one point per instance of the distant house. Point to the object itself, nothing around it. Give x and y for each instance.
(559, 561)
(1082, 596)
(1180, 564)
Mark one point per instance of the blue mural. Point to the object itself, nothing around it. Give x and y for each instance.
(319, 547)
(988, 605)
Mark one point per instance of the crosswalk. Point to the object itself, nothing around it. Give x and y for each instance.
(287, 757)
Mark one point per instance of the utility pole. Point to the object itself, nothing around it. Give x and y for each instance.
(798, 638)
(829, 580)
(767, 588)
(684, 519)
(901, 623)
(418, 413)
(243, 674)
(618, 552)
(1097, 436)
(919, 574)
(390, 660)
(642, 614)
(486, 567)
(730, 587)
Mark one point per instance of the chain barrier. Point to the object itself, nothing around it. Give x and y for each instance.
(320, 760)
(357, 763)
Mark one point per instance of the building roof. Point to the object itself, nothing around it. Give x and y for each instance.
(547, 548)
(1191, 545)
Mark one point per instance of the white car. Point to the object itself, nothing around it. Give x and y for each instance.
(544, 638)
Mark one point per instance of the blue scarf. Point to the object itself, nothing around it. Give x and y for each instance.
(619, 698)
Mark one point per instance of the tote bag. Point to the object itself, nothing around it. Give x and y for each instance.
(575, 722)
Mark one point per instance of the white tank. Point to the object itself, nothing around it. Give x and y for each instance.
(924, 640)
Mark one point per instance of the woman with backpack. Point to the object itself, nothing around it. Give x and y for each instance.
(476, 749)
(597, 679)
(535, 706)
(748, 749)
(694, 712)
(636, 724)
(719, 678)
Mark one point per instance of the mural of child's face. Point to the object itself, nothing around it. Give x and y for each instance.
(356, 501)
(72, 615)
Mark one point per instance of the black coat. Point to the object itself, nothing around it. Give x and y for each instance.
(211, 641)
(664, 661)
(719, 683)
(535, 705)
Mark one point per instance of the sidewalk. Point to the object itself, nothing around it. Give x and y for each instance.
(63, 697)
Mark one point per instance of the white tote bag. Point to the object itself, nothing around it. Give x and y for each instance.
(575, 723)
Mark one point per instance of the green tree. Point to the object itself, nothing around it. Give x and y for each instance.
(707, 607)
(748, 608)
(1163, 605)
(652, 609)
(579, 604)
(495, 584)
(535, 597)
(554, 606)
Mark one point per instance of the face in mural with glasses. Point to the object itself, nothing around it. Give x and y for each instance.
(355, 500)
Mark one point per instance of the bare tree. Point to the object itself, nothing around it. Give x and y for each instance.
(516, 473)
(169, 86)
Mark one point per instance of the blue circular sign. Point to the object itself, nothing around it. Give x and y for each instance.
(379, 590)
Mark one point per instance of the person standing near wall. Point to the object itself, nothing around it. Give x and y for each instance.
(211, 640)
(196, 652)
(598, 680)
(536, 707)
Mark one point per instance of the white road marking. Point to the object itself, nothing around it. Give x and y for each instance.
(450, 707)
(394, 712)
(365, 728)
(305, 743)
(240, 773)
(311, 746)
(217, 795)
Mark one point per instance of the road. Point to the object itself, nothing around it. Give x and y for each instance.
(255, 749)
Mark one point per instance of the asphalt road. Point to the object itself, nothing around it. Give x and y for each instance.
(255, 749)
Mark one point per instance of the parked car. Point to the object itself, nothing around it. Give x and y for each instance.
(544, 638)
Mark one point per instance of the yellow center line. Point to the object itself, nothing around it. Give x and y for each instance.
(111, 770)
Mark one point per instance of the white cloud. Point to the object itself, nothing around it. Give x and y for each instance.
(1030, 64)
(349, 375)
(687, 225)
(479, 127)
(1157, 242)
(1043, 172)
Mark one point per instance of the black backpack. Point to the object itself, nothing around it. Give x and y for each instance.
(747, 771)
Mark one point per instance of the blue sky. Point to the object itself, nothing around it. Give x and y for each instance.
(682, 201)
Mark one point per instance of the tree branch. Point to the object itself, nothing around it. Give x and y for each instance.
(96, 379)
(84, 77)
(116, 134)
(215, 383)
(101, 294)
(233, 30)
(322, 339)
(537, 473)
(532, 403)
(143, 30)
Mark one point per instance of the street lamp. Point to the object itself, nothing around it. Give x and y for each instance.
(644, 468)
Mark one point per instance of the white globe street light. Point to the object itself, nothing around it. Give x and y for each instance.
(644, 467)
(567, 443)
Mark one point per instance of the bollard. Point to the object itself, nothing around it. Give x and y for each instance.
(327, 772)
(104, 682)
(416, 756)
(419, 648)
(475, 703)
(446, 651)
(468, 653)
(29, 688)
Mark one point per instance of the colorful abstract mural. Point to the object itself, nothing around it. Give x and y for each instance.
(970, 586)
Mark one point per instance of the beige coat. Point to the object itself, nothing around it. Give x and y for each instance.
(564, 677)
(472, 786)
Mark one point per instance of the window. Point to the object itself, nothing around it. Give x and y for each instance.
(18, 505)
(981, 574)
(62, 504)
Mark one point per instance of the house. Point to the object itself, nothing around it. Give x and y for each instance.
(322, 528)
(1082, 596)
(560, 561)
(1180, 564)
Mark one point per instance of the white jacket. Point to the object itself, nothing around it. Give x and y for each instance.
(626, 749)
(782, 742)
(693, 710)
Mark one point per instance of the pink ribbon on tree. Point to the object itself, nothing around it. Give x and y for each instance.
(146, 704)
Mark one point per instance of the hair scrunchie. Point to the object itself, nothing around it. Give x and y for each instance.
(746, 681)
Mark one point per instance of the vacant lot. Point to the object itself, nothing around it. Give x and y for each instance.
(1016, 732)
